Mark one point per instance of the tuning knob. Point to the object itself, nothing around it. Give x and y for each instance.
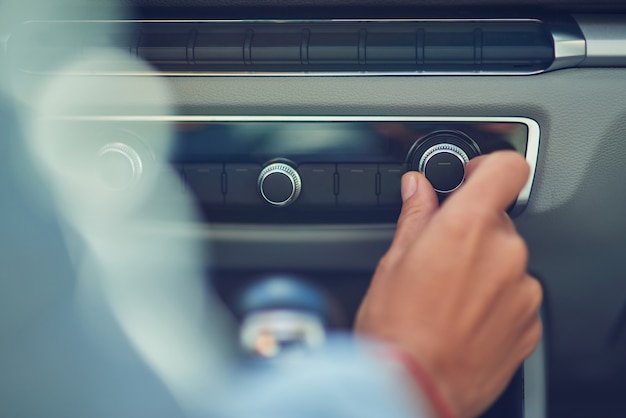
(442, 156)
(279, 184)
(119, 165)
(444, 166)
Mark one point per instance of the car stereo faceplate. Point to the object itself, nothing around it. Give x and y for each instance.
(307, 169)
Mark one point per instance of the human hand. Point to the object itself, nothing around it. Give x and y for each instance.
(453, 290)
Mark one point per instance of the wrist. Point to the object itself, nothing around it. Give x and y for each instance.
(422, 379)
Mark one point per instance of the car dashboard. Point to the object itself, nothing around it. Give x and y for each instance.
(287, 126)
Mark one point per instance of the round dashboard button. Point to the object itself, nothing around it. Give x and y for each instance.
(442, 156)
(279, 184)
(444, 166)
(119, 165)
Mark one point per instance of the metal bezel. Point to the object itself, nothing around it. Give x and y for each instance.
(290, 173)
(131, 155)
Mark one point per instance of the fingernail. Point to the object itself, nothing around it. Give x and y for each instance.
(409, 186)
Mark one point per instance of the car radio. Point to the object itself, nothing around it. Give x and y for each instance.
(306, 169)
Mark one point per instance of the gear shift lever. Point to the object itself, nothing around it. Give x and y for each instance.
(280, 312)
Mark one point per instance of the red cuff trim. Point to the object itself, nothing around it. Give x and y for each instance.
(417, 372)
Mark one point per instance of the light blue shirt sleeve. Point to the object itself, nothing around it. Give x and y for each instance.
(344, 379)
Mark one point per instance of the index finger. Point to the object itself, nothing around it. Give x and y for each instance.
(492, 181)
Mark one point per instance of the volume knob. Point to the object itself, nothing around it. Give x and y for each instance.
(279, 184)
(444, 166)
(119, 165)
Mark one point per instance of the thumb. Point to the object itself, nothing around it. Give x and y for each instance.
(419, 205)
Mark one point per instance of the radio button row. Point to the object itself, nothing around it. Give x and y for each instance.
(357, 185)
(317, 185)
(323, 186)
(390, 176)
(205, 181)
(241, 185)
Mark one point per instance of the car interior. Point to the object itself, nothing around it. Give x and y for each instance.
(268, 140)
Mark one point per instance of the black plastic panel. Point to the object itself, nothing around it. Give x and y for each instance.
(394, 46)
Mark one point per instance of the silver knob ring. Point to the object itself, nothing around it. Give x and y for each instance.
(129, 153)
(440, 149)
(287, 171)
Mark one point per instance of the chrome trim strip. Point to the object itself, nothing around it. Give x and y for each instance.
(570, 48)
(535, 405)
(401, 20)
(532, 156)
(532, 143)
(287, 118)
(606, 39)
(292, 74)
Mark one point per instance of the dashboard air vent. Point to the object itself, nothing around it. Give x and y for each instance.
(512, 46)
